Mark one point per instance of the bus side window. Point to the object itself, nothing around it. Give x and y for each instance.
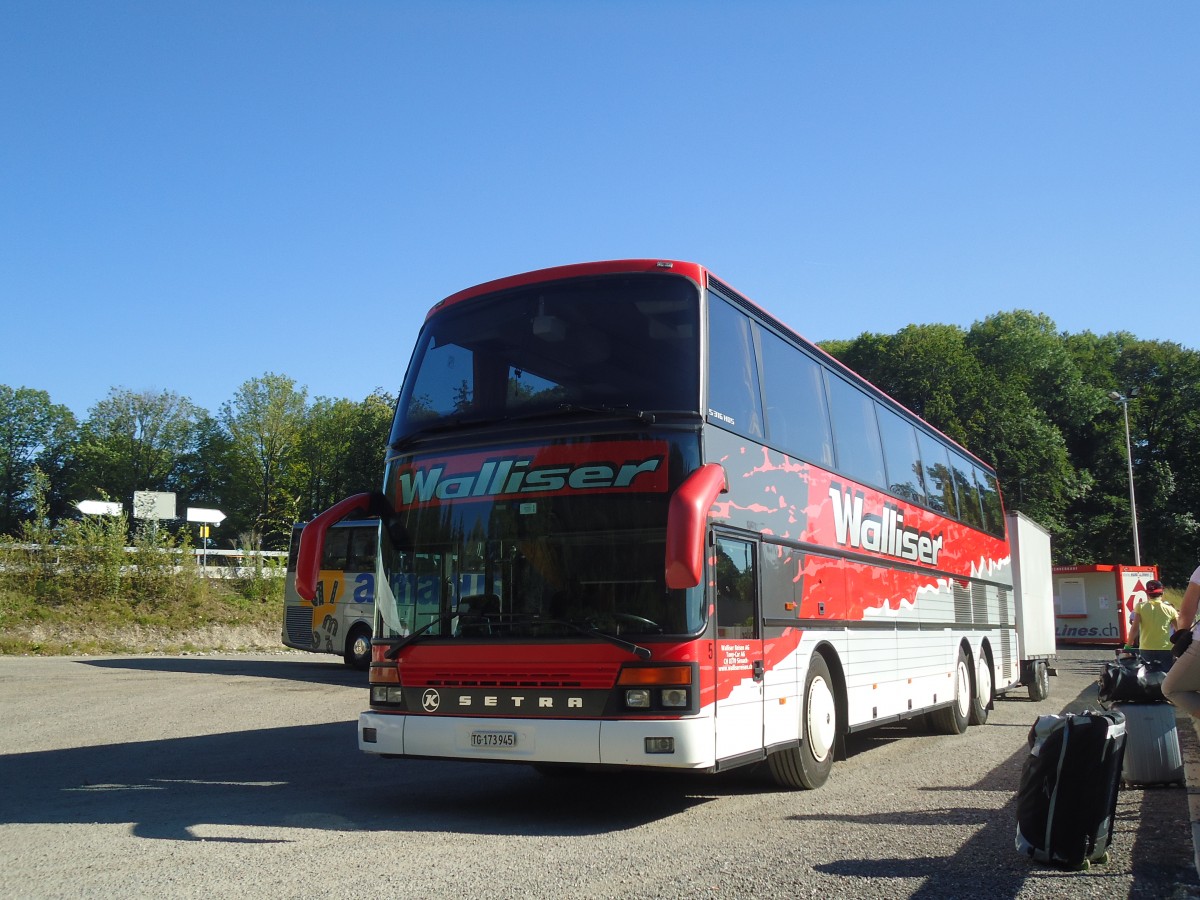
(797, 415)
(901, 455)
(733, 395)
(969, 510)
(989, 493)
(855, 432)
(337, 541)
(362, 549)
(939, 488)
(737, 588)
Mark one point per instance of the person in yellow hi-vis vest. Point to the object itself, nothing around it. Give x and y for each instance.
(1153, 621)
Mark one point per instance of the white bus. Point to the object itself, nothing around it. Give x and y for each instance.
(339, 618)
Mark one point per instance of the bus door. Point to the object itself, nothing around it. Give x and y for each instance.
(740, 664)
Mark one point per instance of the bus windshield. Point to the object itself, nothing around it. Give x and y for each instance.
(627, 343)
(529, 568)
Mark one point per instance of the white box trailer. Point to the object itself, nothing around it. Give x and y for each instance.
(1033, 592)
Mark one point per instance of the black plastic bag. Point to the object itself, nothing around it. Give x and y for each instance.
(1132, 680)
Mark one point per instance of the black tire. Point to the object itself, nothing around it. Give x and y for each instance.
(981, 697)
(808, 765)
(1039, 685)
(358, 648)
(953, 719)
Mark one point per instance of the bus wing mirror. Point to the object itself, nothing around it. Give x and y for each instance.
(687, 519)
(312, 539)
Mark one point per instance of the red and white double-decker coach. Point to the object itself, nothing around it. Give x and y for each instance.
(629, 519)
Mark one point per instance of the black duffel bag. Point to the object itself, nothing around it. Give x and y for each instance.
(1132, 680)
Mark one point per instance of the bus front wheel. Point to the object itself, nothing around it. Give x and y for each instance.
(808, 765)
(358, 648)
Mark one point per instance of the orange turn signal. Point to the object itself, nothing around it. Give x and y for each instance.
(655, 675)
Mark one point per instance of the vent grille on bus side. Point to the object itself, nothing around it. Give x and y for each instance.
(1007, 651)
(1008, 637)
(962, 604)
(299, 625)
(979, 604)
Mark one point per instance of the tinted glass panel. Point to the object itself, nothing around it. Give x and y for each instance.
(939, 484)
(363, 544)
(614, 342)
(855, 432)
(969, 510)
(736, 589)
(794, 394)
(733, 396)
(989, 495)
(902, 456)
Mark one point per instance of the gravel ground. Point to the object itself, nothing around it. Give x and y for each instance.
(238, 774)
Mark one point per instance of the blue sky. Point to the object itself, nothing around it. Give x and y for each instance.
(194, 194)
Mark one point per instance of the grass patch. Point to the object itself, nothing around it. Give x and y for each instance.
(210, 615)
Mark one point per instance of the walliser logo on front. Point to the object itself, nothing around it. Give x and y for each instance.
(883, 532)
(520, 475)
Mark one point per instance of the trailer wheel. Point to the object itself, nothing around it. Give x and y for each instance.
(953, 719)
(1039, 684)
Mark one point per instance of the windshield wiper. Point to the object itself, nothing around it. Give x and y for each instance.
(408, 639)
(591, 631)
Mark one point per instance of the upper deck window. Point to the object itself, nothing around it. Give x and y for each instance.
(610, 342)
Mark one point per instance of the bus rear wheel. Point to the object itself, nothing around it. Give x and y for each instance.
(981, 700)
(358, 648)
(808, 765)
(953, 719)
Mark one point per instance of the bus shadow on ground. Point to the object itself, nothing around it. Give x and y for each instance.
(315, 670)
(257, 786)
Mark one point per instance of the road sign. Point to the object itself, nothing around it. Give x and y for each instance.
(153, 505)
(208, 516)
(99, 508)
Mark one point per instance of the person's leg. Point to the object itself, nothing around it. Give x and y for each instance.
(1182, 684)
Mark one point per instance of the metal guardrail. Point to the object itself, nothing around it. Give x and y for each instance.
(228, 564)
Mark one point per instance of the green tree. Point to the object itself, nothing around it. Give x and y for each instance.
(134, 441)
(1033, 391)
(370, 426)
(205, 480)
(32, 433)
(321, 454)
(264, 421)
(341, 451)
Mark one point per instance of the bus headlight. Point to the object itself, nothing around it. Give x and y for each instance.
(387, 693)
(637, 698)
(657, 687)
(675, 698)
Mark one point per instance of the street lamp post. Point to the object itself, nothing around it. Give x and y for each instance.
(1124, 401)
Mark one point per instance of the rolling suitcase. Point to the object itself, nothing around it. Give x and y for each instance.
(1067, 800)
(1152, 754)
